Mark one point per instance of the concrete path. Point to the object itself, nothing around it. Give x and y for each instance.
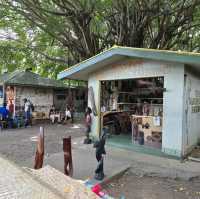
(84, 163)
(17, 145)
(143, 164)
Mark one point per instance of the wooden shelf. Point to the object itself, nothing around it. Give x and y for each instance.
(153, 98)
(125, 103)
(140, 89)
(137, 103)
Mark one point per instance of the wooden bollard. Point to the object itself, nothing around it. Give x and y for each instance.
(68, 166)
(39, 155)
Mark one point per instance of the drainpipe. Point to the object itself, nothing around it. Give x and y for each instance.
(185, 118)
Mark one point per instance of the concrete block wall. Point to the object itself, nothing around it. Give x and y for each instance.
(42, 98)
(191, 134)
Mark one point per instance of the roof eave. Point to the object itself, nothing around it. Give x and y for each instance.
(35, 86)
(157, 55)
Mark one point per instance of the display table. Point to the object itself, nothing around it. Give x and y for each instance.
(149, 127)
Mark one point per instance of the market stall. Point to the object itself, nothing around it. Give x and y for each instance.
(134, 107)
(154, 91)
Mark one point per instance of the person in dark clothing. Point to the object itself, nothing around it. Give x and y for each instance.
(4, 112)
(52, 110)
(100, 151)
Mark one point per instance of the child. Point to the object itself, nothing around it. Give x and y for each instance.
(88, 121)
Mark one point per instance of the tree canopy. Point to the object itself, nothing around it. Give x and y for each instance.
(50, 35)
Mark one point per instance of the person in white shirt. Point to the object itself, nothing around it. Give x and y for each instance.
(27, 110)
(68, 114)
(54, 114)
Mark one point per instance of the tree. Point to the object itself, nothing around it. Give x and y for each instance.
(76, 25)
(156, 24)
(26, 46)
(54, 34)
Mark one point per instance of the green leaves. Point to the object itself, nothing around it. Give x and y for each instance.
(50, 35)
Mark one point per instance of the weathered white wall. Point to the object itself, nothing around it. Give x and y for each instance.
(191, 119)
(173, 111)
(173, 98)
(42, 98)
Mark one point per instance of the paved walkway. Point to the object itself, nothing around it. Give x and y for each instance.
(84, 162)
(18, 145)
(45, 183)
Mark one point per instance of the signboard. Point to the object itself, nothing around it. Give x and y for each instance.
(195, 102)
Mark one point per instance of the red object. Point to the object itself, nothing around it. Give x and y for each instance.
(88, 120)
(10, 106)
(68, 166)
(96, 189)
(39, 155)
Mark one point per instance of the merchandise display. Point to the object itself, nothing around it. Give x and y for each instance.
(134, 107)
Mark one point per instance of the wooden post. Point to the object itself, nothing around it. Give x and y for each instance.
(39, 155)
(68, 166)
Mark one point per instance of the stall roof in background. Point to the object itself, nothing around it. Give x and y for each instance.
(28, 78)
(82, 70)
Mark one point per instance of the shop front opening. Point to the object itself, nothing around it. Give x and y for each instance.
(132, 110)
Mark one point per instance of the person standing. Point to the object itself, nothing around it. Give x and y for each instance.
(72, 114)
(31, 108)
(4, 113)
(27, 112)
(11, 108)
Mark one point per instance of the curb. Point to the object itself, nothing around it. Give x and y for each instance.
(114, 176)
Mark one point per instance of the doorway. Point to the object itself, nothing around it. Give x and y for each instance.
(132, 110)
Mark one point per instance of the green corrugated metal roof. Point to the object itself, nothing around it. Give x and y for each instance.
(83, 69)
(28, 78)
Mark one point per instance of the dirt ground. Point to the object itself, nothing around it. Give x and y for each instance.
(144, 187)
(16, 144)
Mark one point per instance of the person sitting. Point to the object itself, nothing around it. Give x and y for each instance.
(53, 114)
(52, 110)
(68, 115)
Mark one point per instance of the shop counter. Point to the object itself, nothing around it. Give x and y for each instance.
(148, 127)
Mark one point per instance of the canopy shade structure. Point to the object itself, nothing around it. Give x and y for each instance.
(82, 70)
